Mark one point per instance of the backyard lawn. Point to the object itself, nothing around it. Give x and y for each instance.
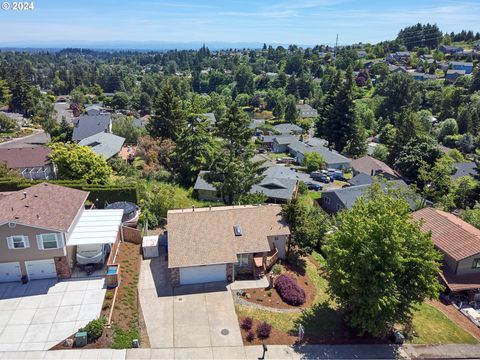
(323, 323)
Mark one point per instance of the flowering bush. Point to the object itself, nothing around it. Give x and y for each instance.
(289, 290)
(263, 330)
(247, 323)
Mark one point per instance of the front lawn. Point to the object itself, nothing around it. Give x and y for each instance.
(324, 323)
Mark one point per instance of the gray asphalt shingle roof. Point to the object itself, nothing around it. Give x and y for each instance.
(464, 169)
(288, 128)
(88, 125)
(104, 144)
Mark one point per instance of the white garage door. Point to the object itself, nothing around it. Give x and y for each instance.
(202, 274)
(41, 269)
(10, 272)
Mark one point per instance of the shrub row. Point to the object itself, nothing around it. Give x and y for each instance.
(289, 290)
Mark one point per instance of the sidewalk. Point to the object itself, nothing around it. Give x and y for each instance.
(254, 352)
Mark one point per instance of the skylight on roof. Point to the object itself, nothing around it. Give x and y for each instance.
(237, 229)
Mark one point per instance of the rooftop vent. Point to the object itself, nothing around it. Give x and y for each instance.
(237, 229)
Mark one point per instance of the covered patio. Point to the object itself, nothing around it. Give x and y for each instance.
(95, 227)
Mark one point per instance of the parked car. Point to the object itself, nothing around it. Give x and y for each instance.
(285, 160)
(320, 177)
(313, 186)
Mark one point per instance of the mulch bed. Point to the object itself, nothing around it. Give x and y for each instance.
(270, 297)
(127, 303)
(276, 337)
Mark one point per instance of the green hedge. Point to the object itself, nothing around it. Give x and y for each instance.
(102, 193)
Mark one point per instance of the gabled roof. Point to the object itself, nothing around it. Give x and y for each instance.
(330, 156)
(44, 205)
(206, 236)
(460, 63)
(276, 188)
(285, 139)
(26, 157)
(453, 236)
(288, 128)
(104, 144)
(370, 166)
(88, 125)
(361, 179)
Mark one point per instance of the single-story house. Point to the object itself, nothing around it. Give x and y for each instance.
(361, 179)
(95, 109)
(333, 160)
(452, 75)
(449, 49)
(281, 142)
(396, 68)
(41, 227)
(306, 111)
(333, 201)
(32, 163)
(104, 144)
(217, 243)
(371, 166)
(462, 65)
(314, 141)
(288, 128)
(279, 184)
(459, 242)
(464, 169)
(88, 125)
(399, 56)
(423, 76)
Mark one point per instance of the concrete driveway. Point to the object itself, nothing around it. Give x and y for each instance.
(40, 314)
(191, 316)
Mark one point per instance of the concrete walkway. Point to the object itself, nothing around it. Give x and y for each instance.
(249, 284)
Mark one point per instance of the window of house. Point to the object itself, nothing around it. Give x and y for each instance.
(48, 241)
(242, 260)
(18, 242)
(476, 264)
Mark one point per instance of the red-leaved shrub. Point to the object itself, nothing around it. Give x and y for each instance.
(247, 323)
(289, 290)
(263, 330)
(250, 336)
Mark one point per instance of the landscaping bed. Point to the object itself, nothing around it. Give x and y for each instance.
(127, 323)
(324, 323)
(271, 298)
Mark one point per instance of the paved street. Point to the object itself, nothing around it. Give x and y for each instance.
(39, 137)
(40, 314)
(187, 316)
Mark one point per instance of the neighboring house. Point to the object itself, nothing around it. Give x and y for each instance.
(286, 129)
(399, 56)
(281, 142)
(95, 109)
(141, 123)
(267, 141)
(333, 201)
(41, 227)
(464, 169)
(459, 243)
(306, 111)
(333, 160)
(462, 65)
(362, 53)
(210, 117)
(448, 49)
(361, 179)
(396, 68)
(104, 144)
(314, 141)
(373, 167)
(422, 76)
(452, 75)
(279, 184)
(32, 163)
(218, 243)
(88, 125)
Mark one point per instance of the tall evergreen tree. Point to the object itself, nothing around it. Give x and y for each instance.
(291, 112)
(168, 120)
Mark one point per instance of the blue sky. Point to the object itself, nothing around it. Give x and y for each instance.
(301, 22)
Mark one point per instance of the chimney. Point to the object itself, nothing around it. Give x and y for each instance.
(24, 194)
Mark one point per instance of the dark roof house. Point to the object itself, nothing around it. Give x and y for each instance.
(88, 125)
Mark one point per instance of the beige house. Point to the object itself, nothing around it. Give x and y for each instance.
(41, 227)
(459, 242)
(219, 243)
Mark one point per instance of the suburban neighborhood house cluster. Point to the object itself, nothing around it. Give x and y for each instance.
(268, 202)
